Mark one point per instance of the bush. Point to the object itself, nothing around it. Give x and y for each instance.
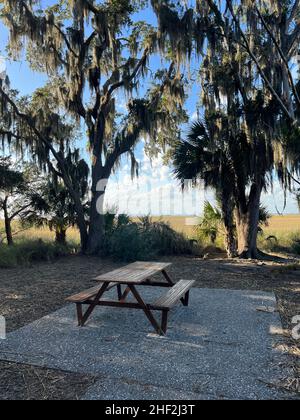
(28, 252)
(145, 240)
(296, 246)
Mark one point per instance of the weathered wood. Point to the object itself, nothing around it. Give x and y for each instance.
(93, 305)
(79, 313)
(164, 320)
(167, 277)
(168, 300)
(119, 288)
(88, 294)
(146, 309)
(140, 274)
(125, 294)
(135, 273)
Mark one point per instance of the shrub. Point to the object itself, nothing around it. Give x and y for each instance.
(296, 246)
(145, 240)
(28, 252)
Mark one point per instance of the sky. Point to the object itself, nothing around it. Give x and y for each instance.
(155, 192)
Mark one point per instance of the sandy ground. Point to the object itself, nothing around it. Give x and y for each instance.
(27, 294)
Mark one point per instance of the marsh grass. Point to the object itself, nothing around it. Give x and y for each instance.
(286, 242)
(35, 245)
(43, 234)
(282, 236)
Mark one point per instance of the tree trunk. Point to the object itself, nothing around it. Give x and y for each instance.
(61, 236)
(230, 241)
(100, 178)
(96, 231)
(247, 225)
(81, 223)
(8, 229)
(227, 213)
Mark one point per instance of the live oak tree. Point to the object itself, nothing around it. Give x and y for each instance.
(267, 34)
(244, 110)
(249, 95)
(277, 24)
(34, 126)
(93, 51)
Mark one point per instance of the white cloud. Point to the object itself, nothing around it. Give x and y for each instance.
(195, 116)
(156, 192)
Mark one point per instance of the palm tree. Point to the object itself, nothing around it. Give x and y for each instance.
(53, 207)
(211, 222)
(16, 187)
(52, 204)
(200, 157)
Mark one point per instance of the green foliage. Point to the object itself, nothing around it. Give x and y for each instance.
(52, 204)
(143, 240)
(211, 223)
(286, 243)
(28, 252)
(10, 179)
(296, 246)
(264, 218)
(17, 188)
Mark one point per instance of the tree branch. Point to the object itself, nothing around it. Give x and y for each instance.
(45, 141)
(17, 212)
(281, 54)
(121, 83)
(293, 12)
(62, 34)
(293, 38)
(125, 146)
(256, 61)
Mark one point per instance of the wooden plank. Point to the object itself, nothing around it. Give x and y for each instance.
(146, 265)
(87, 294)
(173, 295)
(133, 273)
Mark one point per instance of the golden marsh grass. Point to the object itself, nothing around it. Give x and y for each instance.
(283, 227)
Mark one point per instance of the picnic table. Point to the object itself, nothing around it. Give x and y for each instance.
(126, 280)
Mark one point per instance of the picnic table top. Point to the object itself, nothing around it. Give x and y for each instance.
(133, 273)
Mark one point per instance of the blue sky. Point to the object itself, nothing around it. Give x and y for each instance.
(155, 191)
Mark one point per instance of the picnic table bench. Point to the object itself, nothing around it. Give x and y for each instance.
(125, 281)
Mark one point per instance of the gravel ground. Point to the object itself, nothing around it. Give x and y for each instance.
(28, 294)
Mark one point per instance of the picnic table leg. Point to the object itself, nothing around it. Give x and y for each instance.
(119, 288)
(147, 311)
(94, 304)
(168, 278)
(125, 294)
(79, 313)
(186, 298)
(164, 322)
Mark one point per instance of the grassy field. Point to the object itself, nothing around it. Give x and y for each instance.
(280, 226)
(43, 233)
(282, 235)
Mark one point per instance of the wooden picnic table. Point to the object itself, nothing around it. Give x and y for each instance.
(125, 280)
